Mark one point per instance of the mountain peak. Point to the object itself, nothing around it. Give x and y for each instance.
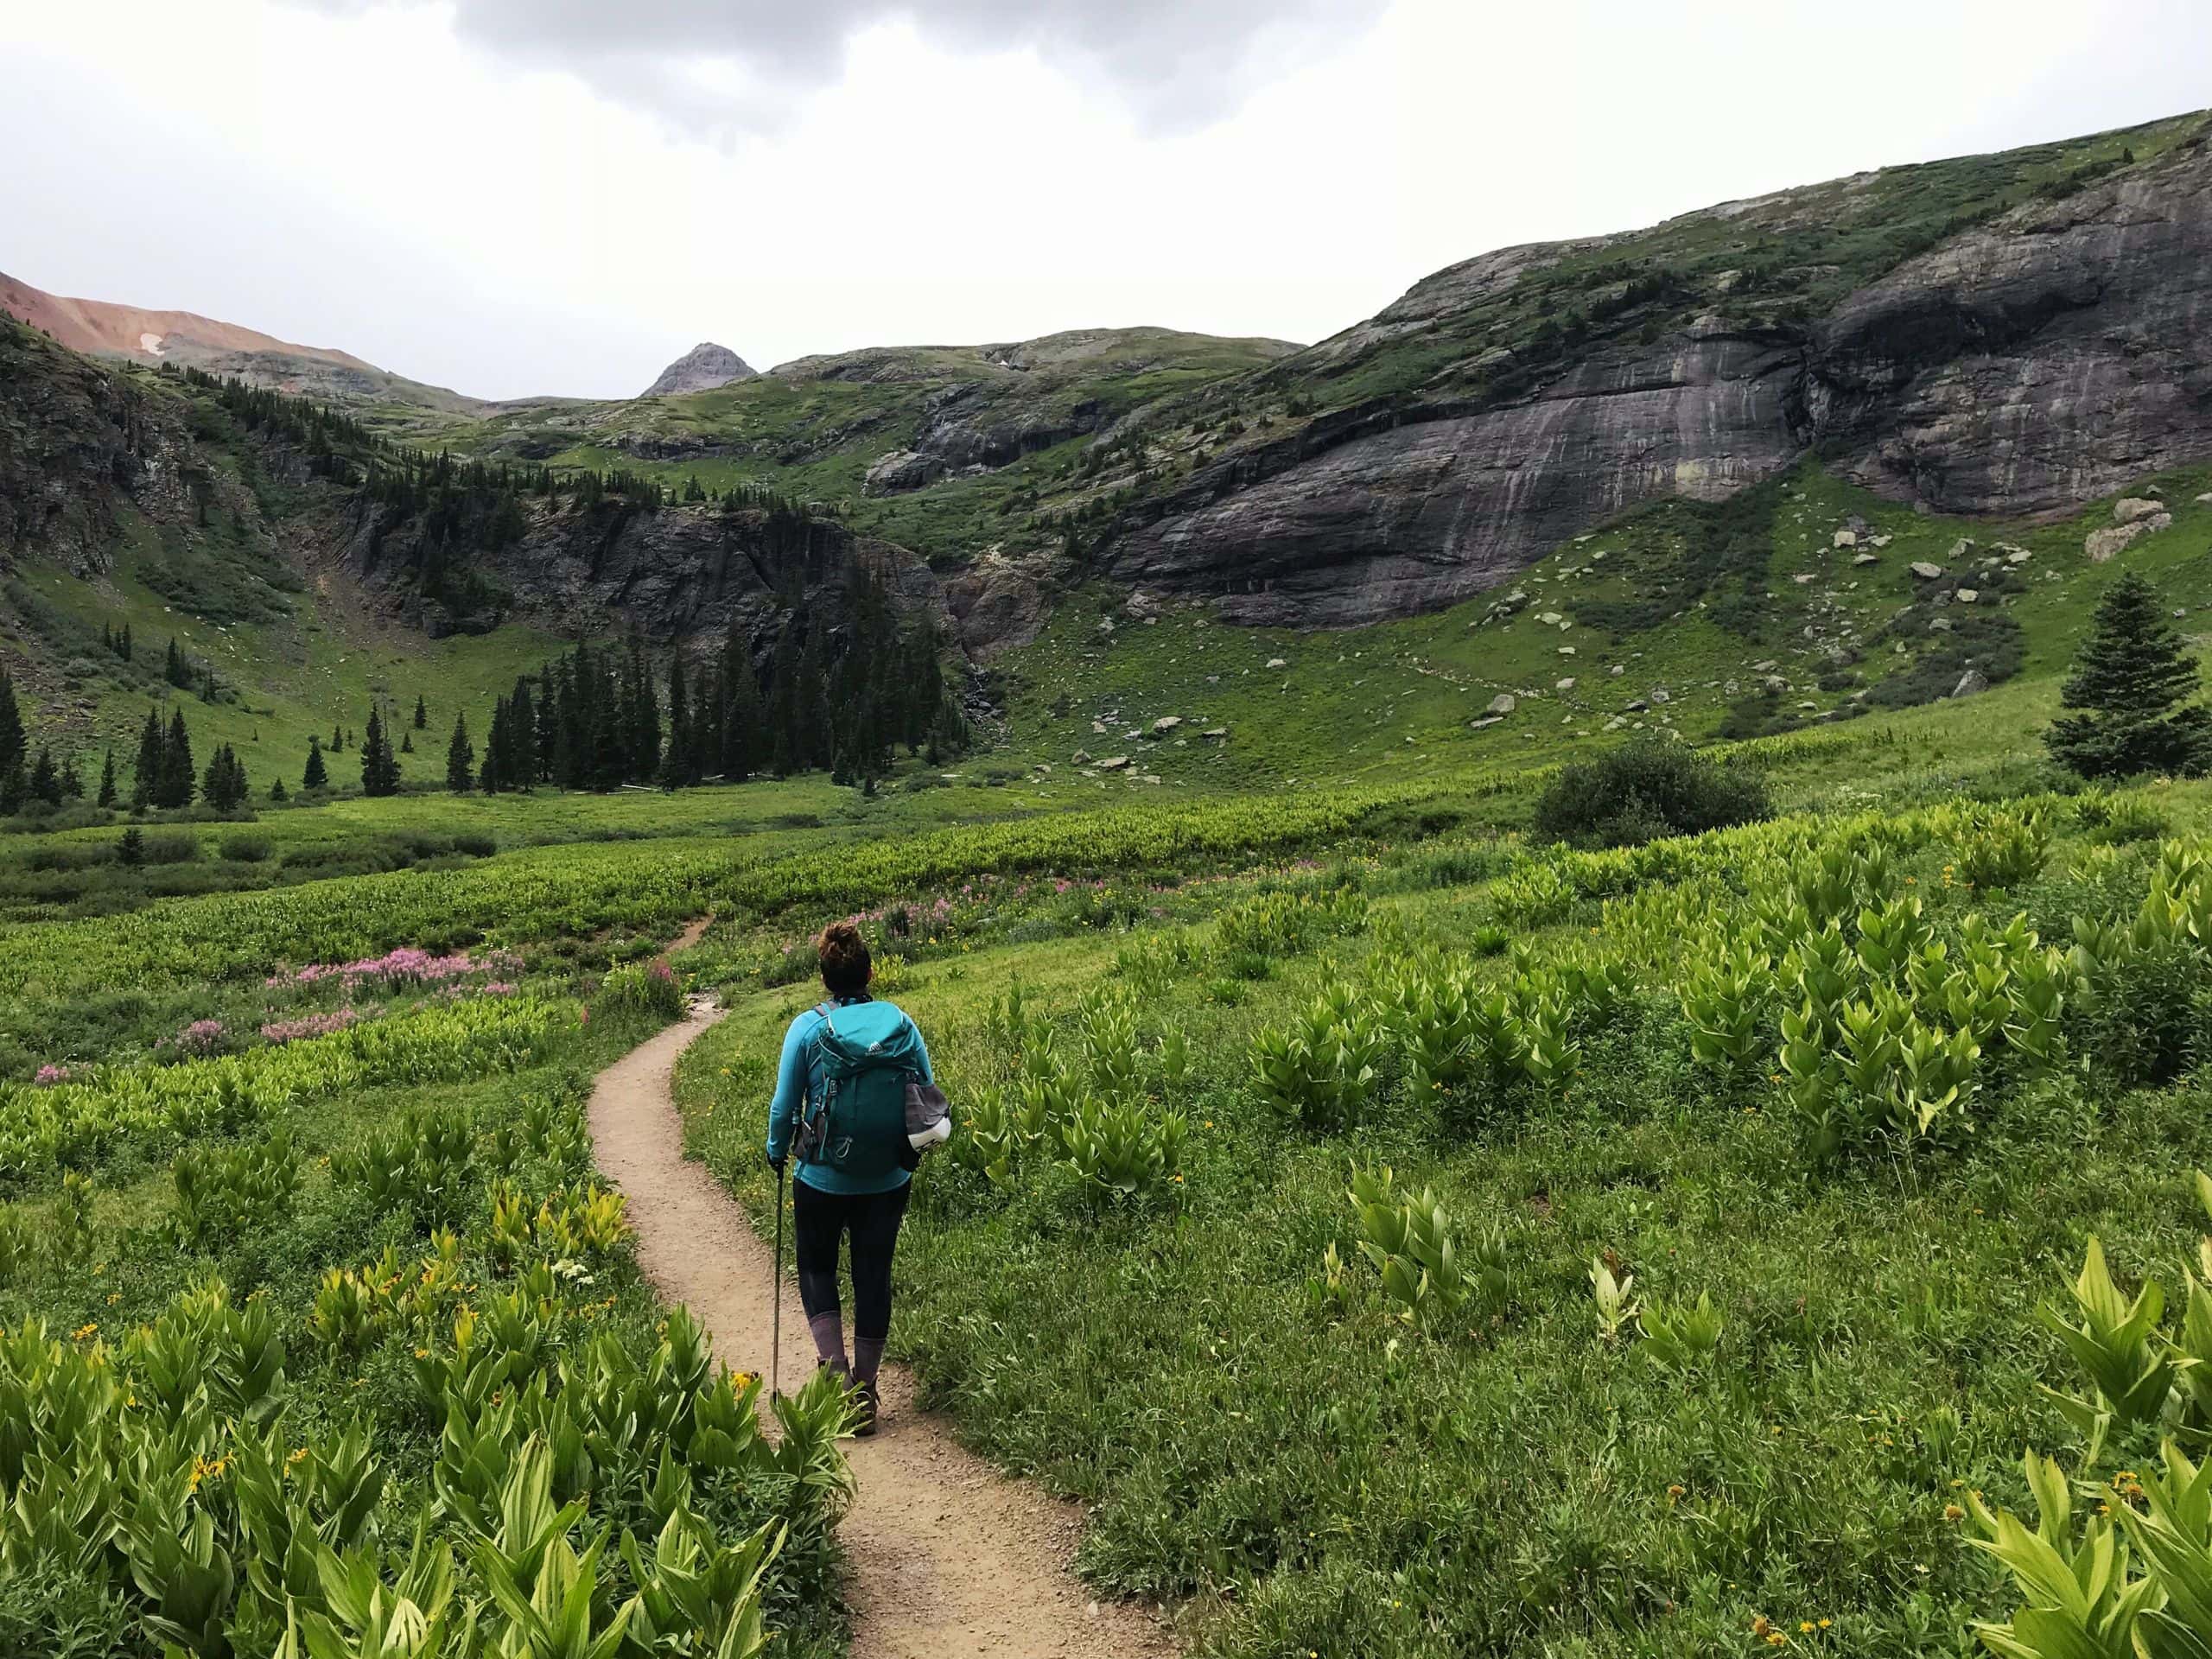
(703, 368)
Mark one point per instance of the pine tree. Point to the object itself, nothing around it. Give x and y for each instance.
(676, 763)
(147, 779)
(174, 782)
(46, 778)
(173, 668)
(107, 795)
(518, 760)
(317, 776)
(2133, 679)
(461, 757)
(644, 716)
(708, 713)
(14, 782)
(380, 766)
(277, 792)
(498, 743)
(123, 643)
(225, 788)
(406, 743)
(422, 714)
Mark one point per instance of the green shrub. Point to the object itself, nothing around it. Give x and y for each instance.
(1647, 789)
(177, 847)
(246, 848)
(650, 991)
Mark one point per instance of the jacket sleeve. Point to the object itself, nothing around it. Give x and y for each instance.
(791, 1089)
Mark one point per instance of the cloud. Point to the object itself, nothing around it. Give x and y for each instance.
(719, 68)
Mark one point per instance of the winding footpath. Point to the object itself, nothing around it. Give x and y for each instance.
(947, 1557)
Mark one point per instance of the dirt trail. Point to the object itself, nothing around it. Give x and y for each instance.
(948, 1558)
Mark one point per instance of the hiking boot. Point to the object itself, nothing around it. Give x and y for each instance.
(866, 1402)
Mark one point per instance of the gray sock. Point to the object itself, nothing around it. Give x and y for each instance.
(829, 1330)
(868, 1357)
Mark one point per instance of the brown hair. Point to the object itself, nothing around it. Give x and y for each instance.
(845, 965)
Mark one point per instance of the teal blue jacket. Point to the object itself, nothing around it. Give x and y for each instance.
(799, 1086)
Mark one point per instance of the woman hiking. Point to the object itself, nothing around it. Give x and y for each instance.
(839, 1110)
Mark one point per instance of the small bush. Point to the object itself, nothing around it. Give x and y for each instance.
(178, 846)
(649, 992)
(247, 850)
(1645, 790)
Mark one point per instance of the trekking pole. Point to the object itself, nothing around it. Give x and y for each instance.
(776, 1329)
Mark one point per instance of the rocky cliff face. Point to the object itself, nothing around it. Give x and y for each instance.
(670, 574)
(703, 368)
(2053, 356)
(2050, 354)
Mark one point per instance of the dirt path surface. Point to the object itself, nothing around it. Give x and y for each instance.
(948, 1558)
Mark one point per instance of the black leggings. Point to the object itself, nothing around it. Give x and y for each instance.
(818, 1220)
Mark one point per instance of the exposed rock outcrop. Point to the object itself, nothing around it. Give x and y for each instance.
(703, 368)
(2050, 355)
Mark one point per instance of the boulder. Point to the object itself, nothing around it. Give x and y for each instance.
(1660, 694)
(1973, 683)
(1967, 595)
(900, 471)
(1845, 538)
(1550, 618)
(1567, 684)
(2130, 509)
(1277, 662)
(1114, 763)
(1502, 704)
(1866, 558)
(1879, 541)
(1165, 724)
(1487, 720)
(1804, 576)
(1962, 548)
(1637, 706)
(1215, 731)
(2103, 544)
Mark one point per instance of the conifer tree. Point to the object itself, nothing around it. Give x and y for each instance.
(497, 744)
(518, 759)
(107, 795)
(225, 788)
(675, 771)
(2131, 683)
(174, 782)
(11, 739)
(460, 756)
(406, 743)
(72, 776)
(380, 766)
(706, 715)
(173, 668)
(317, 776)
(277, 792)
(123, 643)
(148, 777)
(422, 714)
(46, 778)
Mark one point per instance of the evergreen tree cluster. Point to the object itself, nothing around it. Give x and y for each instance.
(224, 787)
(601, 717)
(165, 776)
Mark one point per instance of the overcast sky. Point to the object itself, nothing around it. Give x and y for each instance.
(521, 196)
